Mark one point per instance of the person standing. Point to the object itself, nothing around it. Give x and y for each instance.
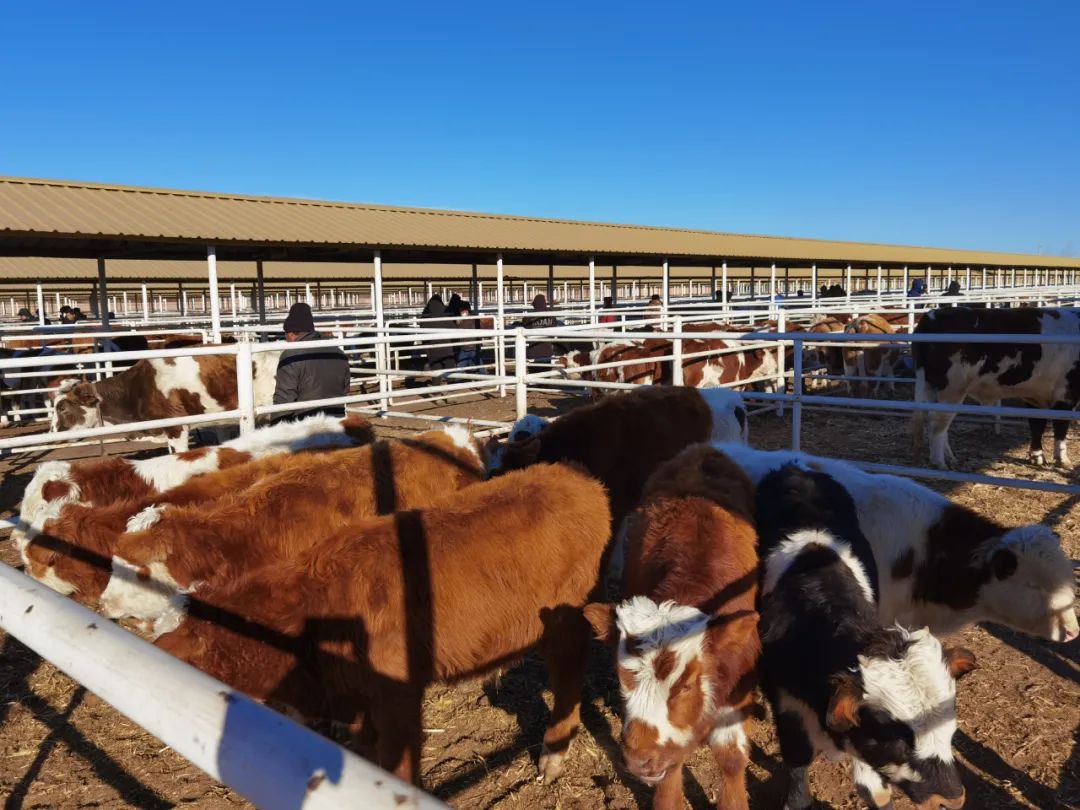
(441, 357)
(539, 353)
(304, 375)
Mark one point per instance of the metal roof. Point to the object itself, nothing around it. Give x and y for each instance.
(57, 218)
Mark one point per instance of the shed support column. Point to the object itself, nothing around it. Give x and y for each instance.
(813, 283)
(967, 279)
(879, 282)
(723, 285)
(103, 295)
(614, 285)
(145, 304)
(40, 305)
(232, 302)
(592, 291)
(474, 294)
(551, 284)
(666, 292)
(260, 284)
(712, 286)
(927, 279)
(382, 350)
(772, 285)
(215, 302)
(500, 306)
(847, 283)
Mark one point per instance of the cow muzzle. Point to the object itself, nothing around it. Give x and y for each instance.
(936, 802)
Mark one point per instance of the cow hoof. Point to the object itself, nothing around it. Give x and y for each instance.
(1037, 458)
(550, 766)
(1063, 464)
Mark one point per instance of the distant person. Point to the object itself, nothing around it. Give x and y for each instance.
(468, 354)
(954, 288)
(438, 358)
(918, 289)
(26, 316)
(540, 352)
(608, 318)
(454, 307)
(309, 374)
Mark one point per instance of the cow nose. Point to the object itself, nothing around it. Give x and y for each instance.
(645, 767)
(936, 802)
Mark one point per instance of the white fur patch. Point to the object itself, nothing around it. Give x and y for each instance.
(729, 731)
(461, 437)
(668, 626)
(527, 426)
(723, 403)
(61, 586)
(785, 555)
(144, 519)
(917, 690)
(150, 599)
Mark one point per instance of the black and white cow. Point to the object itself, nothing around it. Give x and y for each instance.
(838, 681)
(942, 565)
(1044, 375)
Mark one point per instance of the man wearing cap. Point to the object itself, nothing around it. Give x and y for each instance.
(305, 375)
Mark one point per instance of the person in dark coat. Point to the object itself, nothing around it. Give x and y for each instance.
(954, 288)
(454, 307)
(468, 355)
(542, 351)
(438, 357)
(305, 375)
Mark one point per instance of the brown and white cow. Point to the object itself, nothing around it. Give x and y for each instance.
(685, 632)
(878, 361)
(169, 553)
(622, 440)
(160, 389)
(942, 565)
(83, 507)
(367, 617)
(646, 368)
(1044, 375)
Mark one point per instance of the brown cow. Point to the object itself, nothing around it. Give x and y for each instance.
(85, 505)
(878, 361)
(448, 592)
(686, 631)
(171, 552)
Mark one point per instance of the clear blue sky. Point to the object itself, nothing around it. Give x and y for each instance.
(954, 123)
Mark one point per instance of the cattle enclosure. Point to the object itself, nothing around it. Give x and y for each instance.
(60, 747)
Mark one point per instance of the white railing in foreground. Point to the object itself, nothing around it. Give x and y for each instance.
(267, 758)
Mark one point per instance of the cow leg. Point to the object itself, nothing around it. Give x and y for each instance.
(873, 791)
(565, 648)
(797, 753)
(1061, 450)
(1035, 451)
(939, 439)
(180, 442)
(669, 793)
(732, 758)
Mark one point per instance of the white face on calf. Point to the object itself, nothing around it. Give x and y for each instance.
(1032, 585)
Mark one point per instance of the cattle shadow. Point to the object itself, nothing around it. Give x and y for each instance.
(982, 793)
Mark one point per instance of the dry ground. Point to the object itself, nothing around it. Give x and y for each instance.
(1019, 739)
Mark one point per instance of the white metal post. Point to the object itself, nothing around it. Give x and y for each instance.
(797, 390)
(723, 285)
(772, 287)
(781, 361)
(245, 388)
(592, 291)
(967, 279)
(58, 305)
(983, 287)
(1012, 277)
(879, 282)
(907, 277)
(927, 279)
(215, 304)
(103, 295)
(382, 353)
(40, 305)
(232, 302)
(847, 289)
(307, 294)
(521, 399)
(676, 351)
(813, 283)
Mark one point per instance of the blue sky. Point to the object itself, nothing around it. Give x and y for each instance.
(952, 123)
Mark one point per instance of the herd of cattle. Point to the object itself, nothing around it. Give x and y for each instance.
(335, 575)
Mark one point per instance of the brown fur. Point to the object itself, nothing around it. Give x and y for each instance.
(693, 541)
(309, 499)
(447, 592)
(620, 440)
(877, 361)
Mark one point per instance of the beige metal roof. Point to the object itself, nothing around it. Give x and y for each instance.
(55, 218)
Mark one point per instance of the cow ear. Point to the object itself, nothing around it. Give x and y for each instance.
(601, 617)
(960, 661)
(1003, 563)
(843, 712)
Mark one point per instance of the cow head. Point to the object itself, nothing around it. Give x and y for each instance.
(662, 655)
(896, 714)
(521, 447)
(76, 406)
(1029, 583)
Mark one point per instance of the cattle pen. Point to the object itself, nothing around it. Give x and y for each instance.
(747, 293)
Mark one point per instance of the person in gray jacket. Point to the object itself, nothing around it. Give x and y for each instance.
(304, 375)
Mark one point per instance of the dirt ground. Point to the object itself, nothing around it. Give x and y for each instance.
(1018, 744)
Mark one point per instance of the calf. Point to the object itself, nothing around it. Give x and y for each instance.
(877, 361)
(942, 565)
(447, 592)
(622, 440)
(161, 388)
(838, 682)
(82, 508)
(646, 369)
(685, 633)
(1045, 375)
(177, 551)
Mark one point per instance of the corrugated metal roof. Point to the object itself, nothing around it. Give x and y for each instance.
(48, 217)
